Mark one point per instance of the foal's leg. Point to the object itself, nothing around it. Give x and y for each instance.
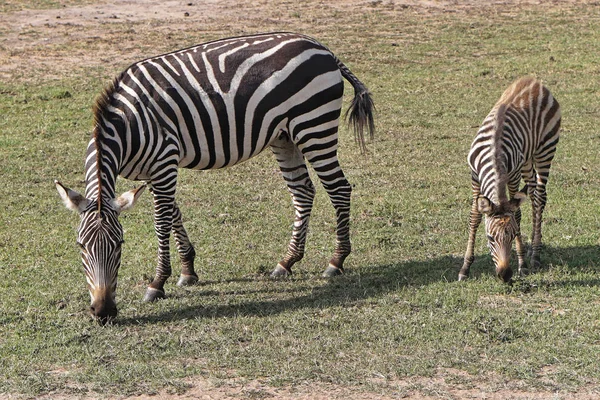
(293, 168)
(513, 188)
(474, 221)
(528, 173)
(542, 167)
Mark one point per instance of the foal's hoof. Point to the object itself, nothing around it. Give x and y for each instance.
(523, 272)
(332, 271)
(187, 280)
(154, 294)
(462, 277)
(280, 272)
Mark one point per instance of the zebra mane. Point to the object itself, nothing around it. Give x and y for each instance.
(499, 156)
(519, 90)
(100, 111)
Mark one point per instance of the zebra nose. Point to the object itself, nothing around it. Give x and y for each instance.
(504, 272)
(104, 311)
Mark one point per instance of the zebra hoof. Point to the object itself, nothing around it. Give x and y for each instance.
(154, 294)
(462, 277)
(187, 280)
(332, 271)
(523, 272)
(280, 272)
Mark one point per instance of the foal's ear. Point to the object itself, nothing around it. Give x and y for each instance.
(484, 205)
(73, 200)
(517, 200)
(125, 201)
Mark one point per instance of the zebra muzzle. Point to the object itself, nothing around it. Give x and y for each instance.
(504, 272)
(103, 307)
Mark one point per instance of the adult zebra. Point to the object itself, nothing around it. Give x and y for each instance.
(517, 140)
(212, 106)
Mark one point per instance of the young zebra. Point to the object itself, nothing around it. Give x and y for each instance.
(212, 106)
(516, 140)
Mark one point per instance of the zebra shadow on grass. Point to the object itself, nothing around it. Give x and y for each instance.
(559, 264)
(579, 265)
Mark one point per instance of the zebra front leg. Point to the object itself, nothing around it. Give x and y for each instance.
(521, 250)
(474, 221)
(164, 200)
(528, 173)
(294, 171)
(513, 187)
(185, 249)
(539, 203)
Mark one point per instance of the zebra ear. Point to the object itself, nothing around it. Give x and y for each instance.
(484, 205)
(517, 200)
(73, 200)
(125, 201)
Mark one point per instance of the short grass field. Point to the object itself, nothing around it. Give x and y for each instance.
(398, 313)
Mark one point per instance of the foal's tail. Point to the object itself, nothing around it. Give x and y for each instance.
(360, 112)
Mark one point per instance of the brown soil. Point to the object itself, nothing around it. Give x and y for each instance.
(46, 44)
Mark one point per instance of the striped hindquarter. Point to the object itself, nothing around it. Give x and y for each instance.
(218, 104)
(517, 141)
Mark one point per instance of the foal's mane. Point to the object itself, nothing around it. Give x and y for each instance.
(499, 161)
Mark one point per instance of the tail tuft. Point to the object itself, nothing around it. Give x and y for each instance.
(360, 112)
(360, 115)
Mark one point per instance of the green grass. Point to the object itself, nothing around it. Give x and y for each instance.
(398, 311)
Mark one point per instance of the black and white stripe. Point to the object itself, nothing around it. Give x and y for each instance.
(517, 140)
(215, 105)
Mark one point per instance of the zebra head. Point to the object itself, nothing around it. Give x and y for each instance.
(501, 228)
(100, 236)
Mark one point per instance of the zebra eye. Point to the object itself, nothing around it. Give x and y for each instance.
(490, 238)
(82, 247)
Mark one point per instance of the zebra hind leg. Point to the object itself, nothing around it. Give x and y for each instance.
(295, 174)
(542, 162)
(186, 251)
(325, 163)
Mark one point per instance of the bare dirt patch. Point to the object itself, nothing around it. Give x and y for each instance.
(51, 43)
(446, 384)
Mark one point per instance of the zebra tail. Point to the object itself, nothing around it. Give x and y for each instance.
(360, 112)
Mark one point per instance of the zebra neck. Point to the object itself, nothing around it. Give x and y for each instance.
(102, 165)
(495, 189)
(494, 183)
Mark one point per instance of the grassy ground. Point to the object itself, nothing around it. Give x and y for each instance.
(398, 312)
